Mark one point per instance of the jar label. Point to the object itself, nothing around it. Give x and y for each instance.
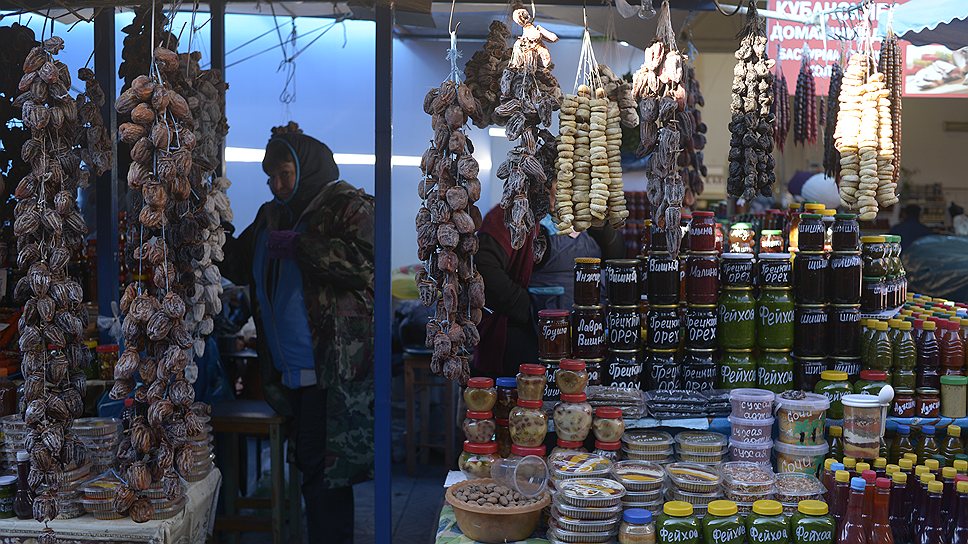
(699, 377)
(658, 266)
(760, 535)
(624, 328)
(929, 408)
(850, 367)
(736, 315)
(805, 535)
(846, 316)
(846, 261)
(623, 275)
(774, 378)
(701, 327)
(730, 535)
(665, 377)
(664, 327)
(734, 376)
(770, 317)
(812, 318)
(589, 335)
(816, 264)
(775, 272)
(678, 535)
(811, 228)
(585, 276)
(737, 272)
(903, 408)
(626, 376)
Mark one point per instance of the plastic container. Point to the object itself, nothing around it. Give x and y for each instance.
(805, 459)
(170, 511)
(566, 465)
(642, 497)
(577, 525)
(751, 430)
(753, 452)
(694, 499)
(101, 508)
(655, 457)
(801, 420)
(747, 498)
(752, 403)
(747, 477)
(647, 441)
(693, 477)
(557, 535)
(591, 492)
(639, 476)
(864, 418)
(710, 458)
(526, 475)
(593, 513)
(793, 487)
(700, 442)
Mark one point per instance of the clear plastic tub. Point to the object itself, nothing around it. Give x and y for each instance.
(747, 498)
(655, 506)
(100, 508)
(693, 477)
(639, 476)
(706, 458)
(801, 420)
(806, 459)
(573, 464)
(793, 487)
(104, 487)
(647, 441)
(576, 525)
(655, 457)
(642, 496)
(751, 430)
(557, 535)
(171, 510)
(694, 498)
(591, 492)
(745, 477)
(751, 403)
(700, 442)
(759, 453)
(589, 513)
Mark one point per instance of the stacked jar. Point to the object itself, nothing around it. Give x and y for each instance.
(528, 420)
(480, 447)
(810, 271)
(751, 424)
(623, 322)
(573, 415)
(736, 322)
(554, 344)
(699, 372)
(844, 295)
(874, 297)
(663, 321)
(801, 419)
(774, 323)
(895, 278)
(588, 318)
(507, 399)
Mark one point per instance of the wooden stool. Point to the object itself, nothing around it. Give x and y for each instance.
(419, 380)
(244, 418)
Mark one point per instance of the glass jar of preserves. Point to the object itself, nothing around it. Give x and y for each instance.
(623, 281)
(737, 370)
(723, 524)
(664, 327)
(736, 323)
(571, 376)
(873, 296)
(871, 382)
(736, 270)
(608, 450)
(567, 446)
(624, 327)
(479, 426)
(849, 365)
(874, 250)
(554, 334)
(807, 371)
(810, 277)
(766, 524)
(833, 384)
(531, 382)
(551, 391)
(845, 278)
(702, 232)
(518, 451)
(810, 331)
(528, 423)
(664, 373)
(476, 459)
(698, 370)
(812, 522)
(588, 281)
(480, 394)
(507, 397)
(573, 417)
(927, 402)
(844, 326)
(502, 435)
(625, 369)
(636, 527)
(741, 238)
(775, 370)
(774, 316)
(702, 279)
(678, 524)
(776, 270)
(662, 277)
(701, 327)
(608, 424)
(811, 232)
(903, 404)
(588, 332)
(771, 241)
(845, 234)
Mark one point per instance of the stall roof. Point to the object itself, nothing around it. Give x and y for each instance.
(925, 22)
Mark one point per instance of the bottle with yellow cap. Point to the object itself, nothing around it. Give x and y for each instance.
(838, 497)
(931, 528)
(833, 384)
(900, 509)
(880, 352)
(836, 442)
(767, 524)
(952, 445)
(880, 467)
(862, 466)
(723, 524)
(812, 522)
(948, 496)
(677, 524)
(851, 465)
(959, 533)
(961, 466)
(912, 456)
(933, 465)
(890, 469)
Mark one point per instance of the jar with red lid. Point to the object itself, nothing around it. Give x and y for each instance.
(664, 327)
(588, 332)
(811, 232)
(927, 402)
(567, 445)
(479, 426)
(480, 394)
(608, 424)
(608, 450)
(702, 279)
(571, 376)
(903, 404)
(810, 277)
(588, 281)
(528, 423)
(518, 451)
(502, 435)
(531, 382)
(623, 281)
(573, 417)
(624, 327)
(507, 397)
(476, 459)
(662, 277)
(554, 334)
(702, 232)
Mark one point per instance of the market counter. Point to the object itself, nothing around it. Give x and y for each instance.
(192, 526)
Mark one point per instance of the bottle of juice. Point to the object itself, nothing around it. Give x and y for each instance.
(961, 466)
(880, 467)
(952, 349)
(880, 354)
(929, 358)
(827, 474)
(952, 445)
(914, 492)
(927, 448)
(836, 434)
(881, 532)
(905, 353)
(851, 530)
(934, 467)
(902, 444)
(932, 529)
(838, 498)
(830, 481)
(850, 465)
(900, 522)
(870, 477)
(948, 495)
(921, 506)
(893, 326)
(959, 534)
(867, 334)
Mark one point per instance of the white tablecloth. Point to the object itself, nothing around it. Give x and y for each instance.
(192, 526)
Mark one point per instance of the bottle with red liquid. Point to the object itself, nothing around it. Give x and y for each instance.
(870, 477)
(929, 357)
(881, 532)
(851, 529)
(952, 349)
(23, 501)
(949, 496)
(920, 511)
(928, 446)
(900, 524)
(830, 480)
(932, 530)
(838, 497)
(959, 533)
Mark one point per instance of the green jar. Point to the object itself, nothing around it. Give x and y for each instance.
(722, 524)
(677, 524)
(736, 369)
(774, 371)
(812, 524)
(767, 524)
(871, 382)
(833, 384)
(8, 491)
(774, 319)
(736, 325)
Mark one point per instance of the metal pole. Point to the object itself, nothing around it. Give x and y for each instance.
(106, 186)
(383, 310)
(217, 11)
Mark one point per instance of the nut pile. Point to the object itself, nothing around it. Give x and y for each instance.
(864, 138)
(446, 225)
(483, 72)
(751, 126)
(693, 132)
(657, 85)
(529, 96)
(831, 157)
(805, 106)
(49, 227)
(889, 64)
(493, 495)
(780, 109)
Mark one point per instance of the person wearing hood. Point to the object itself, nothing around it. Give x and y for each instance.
(308, 261)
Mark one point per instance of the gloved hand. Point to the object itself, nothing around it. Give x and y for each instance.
(282, 244)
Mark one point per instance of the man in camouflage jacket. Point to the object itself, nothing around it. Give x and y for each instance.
(308, 259)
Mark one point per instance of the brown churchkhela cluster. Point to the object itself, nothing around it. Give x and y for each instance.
(805, 106)
(693, 132)
(831, 157)
(49, 227)
(780, 109)
(889, 64)
(483, 72)
(446, 225)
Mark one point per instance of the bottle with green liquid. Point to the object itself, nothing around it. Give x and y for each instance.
(880, 351)
(952, 445)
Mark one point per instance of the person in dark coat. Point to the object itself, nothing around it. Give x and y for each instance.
(911, 228)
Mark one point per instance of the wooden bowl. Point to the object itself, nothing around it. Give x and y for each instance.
(495, 525)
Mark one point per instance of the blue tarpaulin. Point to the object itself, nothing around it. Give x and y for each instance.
(925, 22)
